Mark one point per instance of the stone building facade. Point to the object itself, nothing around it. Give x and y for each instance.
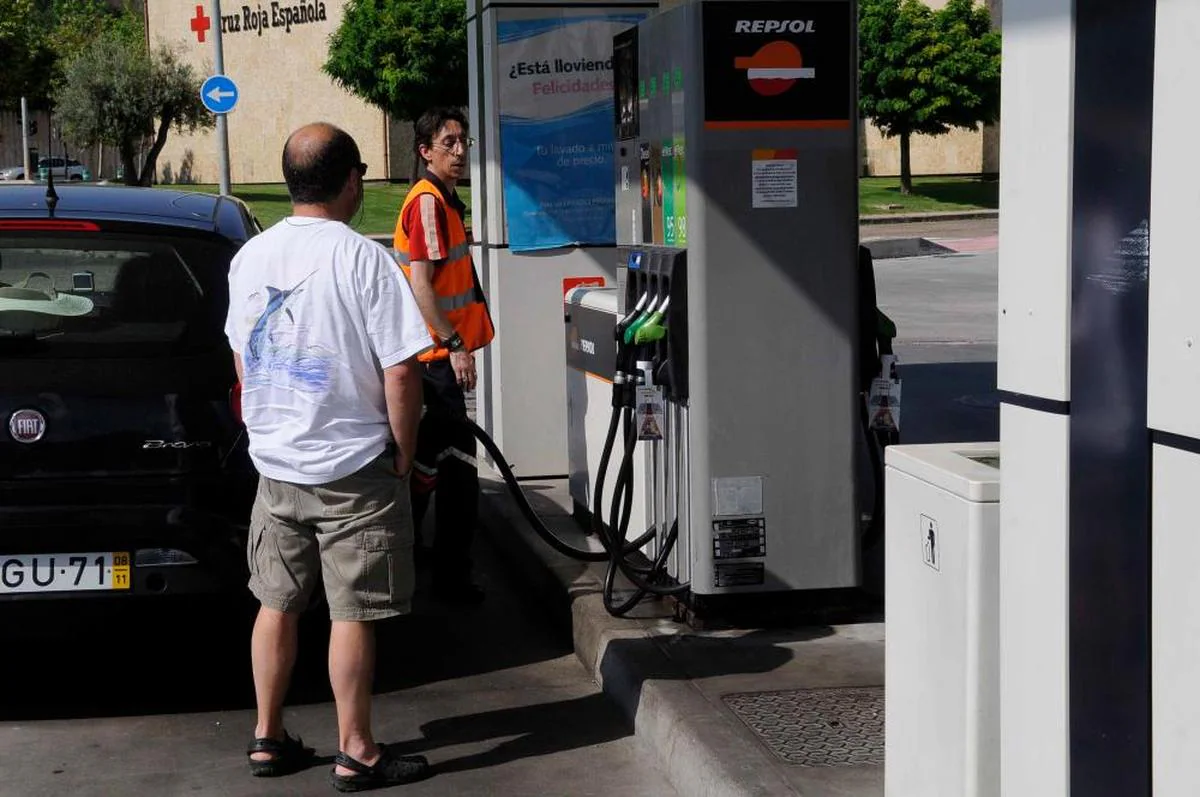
(273, 51)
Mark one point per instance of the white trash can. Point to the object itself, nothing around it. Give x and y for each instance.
(942, 585)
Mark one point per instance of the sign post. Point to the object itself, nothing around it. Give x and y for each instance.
(27, 174)
(222, 126)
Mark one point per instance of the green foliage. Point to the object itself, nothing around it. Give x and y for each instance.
(26, 59)
(925, 71)
(403, 56)
(119, 94)
(38, 38)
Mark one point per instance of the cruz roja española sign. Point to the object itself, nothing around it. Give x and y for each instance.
(274, 15)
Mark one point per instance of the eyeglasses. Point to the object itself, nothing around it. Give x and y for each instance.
(450, 144)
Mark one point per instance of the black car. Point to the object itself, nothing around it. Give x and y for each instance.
(123, 464)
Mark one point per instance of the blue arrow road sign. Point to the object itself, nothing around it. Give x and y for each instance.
(219, 94)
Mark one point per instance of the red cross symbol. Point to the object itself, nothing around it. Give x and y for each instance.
(200, 24)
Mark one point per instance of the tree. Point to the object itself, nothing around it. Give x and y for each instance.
(922, 71)
(119, 94)
(25, 53)
(402, 55)
(39, 37)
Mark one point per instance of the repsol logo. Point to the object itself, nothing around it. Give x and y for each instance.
(588, 346)
(774, 26)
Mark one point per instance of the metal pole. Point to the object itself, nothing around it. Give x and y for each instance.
(222, 128)
(25, 137)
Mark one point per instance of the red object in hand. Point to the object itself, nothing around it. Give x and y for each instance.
(422, 482)
(235, 400)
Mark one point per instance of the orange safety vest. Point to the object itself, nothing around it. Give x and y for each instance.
(454, 282)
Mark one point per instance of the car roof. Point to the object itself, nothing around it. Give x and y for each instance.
(222, 215)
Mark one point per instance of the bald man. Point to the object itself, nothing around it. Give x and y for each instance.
(325, 335)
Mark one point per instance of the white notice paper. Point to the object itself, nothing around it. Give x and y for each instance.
(774, 183)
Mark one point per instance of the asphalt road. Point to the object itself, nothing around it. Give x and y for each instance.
(159, 702)
(945, 313)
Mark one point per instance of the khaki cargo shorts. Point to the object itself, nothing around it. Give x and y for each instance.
(354, 534)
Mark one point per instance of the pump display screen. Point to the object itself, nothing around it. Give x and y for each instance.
(625, 78)
(767, 63)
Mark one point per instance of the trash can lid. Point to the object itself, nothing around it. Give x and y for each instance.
(968, 470)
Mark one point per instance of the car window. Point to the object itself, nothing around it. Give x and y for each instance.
(107, 297)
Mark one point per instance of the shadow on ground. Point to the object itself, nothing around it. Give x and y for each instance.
(953, 402)
(982, 193)
(118, 659)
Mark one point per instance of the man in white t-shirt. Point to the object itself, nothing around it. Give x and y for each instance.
(325, 334)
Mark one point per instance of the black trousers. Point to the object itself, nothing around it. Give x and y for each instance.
(445, 460)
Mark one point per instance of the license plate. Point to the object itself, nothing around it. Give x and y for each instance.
(63, 572)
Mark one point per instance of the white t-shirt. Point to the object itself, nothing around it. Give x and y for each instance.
(316, 312)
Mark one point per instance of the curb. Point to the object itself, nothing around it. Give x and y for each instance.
(867, 220)
(700, 748)
(909, 218)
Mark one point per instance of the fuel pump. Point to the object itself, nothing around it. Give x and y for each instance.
(733, 343)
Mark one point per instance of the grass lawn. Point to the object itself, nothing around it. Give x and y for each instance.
(877, 195)
(381, 203)
(881, 195)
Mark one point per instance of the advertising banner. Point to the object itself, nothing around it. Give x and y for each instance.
(556, 129)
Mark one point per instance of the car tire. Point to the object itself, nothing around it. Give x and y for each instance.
(76, 178)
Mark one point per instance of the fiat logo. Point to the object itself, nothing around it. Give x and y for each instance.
(27, 426)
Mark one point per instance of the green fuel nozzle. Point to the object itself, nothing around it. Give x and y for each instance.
(632, 329)
(652, 329)
(624, 323)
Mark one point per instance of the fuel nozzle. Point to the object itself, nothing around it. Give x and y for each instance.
(622, 378)
(639, 322)
(624, 323)
(652, 329)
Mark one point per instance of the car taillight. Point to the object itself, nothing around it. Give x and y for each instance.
(48, 225)
(235, 400)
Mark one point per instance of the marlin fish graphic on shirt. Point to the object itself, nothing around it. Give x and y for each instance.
(278, 352)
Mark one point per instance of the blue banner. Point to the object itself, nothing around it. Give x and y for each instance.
(556, 129)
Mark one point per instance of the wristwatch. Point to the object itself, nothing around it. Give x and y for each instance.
(454, 342)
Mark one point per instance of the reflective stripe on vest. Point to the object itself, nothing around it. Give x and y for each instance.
(453, 253)
(448, 303)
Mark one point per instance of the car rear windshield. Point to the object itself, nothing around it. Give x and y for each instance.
(104, 296)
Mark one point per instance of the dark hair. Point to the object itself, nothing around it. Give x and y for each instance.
(317, 174)
(434, 120)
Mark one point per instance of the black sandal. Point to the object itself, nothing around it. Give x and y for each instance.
(390, 770)
(287, 756)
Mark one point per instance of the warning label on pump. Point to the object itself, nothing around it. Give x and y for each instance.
(774, 179)
(742, 574)
(745, 538)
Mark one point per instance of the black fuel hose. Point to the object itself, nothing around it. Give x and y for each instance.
(617, 549)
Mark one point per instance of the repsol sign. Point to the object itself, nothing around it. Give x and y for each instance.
(274, 15)
(774, 26)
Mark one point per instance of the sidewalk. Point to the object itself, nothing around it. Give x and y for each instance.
(728, 713)
(908, 235)
(932, 233)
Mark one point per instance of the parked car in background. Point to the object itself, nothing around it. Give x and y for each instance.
(12, 173)
(124, 469)
(64, 169)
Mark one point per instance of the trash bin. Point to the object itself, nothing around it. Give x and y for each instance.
(942, 578)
